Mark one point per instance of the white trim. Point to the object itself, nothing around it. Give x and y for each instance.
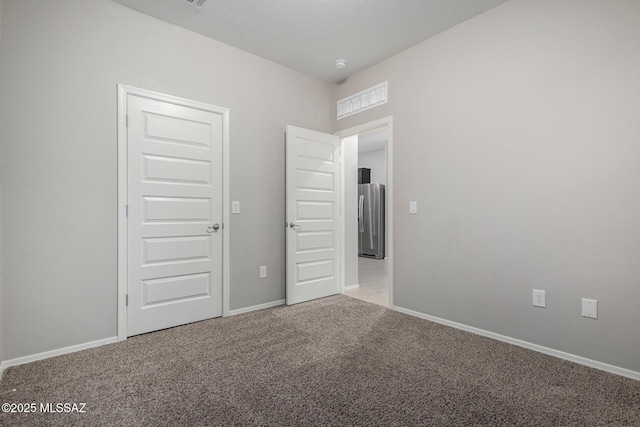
(123, 92)
(349, 288)
(343, 234)
(226, 211)
(122, 213)
(257, 307)
(59, 352)
(388, 122)
(535, 347)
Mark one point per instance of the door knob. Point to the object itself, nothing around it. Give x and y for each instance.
(212, 228)
(294, 226)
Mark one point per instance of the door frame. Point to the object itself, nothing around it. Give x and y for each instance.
(123, 93)
(388, 122)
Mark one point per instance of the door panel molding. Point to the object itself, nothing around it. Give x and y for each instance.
(124, 92)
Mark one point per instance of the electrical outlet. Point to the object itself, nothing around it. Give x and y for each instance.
(539, 298)
(263, 271)
(590, 308)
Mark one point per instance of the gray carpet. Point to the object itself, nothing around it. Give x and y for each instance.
(334, 361)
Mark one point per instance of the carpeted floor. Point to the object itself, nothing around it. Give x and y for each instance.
(334, 361)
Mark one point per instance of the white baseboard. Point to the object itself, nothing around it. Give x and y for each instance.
(535, 347)
(256, 307)
(350, 287)
(72, 349)
(59, 352)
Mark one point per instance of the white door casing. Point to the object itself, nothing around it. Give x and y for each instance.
(312, 215)
(344, 135)
(174, 224)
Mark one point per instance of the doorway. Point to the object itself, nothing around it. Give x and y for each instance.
(368, 275)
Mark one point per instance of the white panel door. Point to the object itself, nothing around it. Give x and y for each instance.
(313, 215)
(174, 221)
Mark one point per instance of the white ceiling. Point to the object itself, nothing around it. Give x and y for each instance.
(310, 35)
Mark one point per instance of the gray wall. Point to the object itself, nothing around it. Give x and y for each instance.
(61, 63)
(518, 134)
(376, 160)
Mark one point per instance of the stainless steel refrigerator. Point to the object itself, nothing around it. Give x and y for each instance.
(371, 225)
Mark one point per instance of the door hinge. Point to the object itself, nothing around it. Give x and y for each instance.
(127, 302)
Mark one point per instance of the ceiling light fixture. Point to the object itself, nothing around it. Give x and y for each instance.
(341, 63)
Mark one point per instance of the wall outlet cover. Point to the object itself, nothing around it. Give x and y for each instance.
(590, 308)
(539, 298)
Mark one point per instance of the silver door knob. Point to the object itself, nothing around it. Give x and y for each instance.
(294, 226)
(212, 228)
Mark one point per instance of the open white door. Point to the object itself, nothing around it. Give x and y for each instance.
(174, 221)
(313, 214)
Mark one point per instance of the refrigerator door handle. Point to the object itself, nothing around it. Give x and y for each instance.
(373, 210)
(361, 213)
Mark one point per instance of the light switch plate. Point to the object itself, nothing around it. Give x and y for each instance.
(413, 207)
(235, 207)
(590, 308)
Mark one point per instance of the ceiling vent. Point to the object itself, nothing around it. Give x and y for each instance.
(361, 101)
(200, 4)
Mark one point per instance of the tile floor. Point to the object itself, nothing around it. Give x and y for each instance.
(373, 278)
